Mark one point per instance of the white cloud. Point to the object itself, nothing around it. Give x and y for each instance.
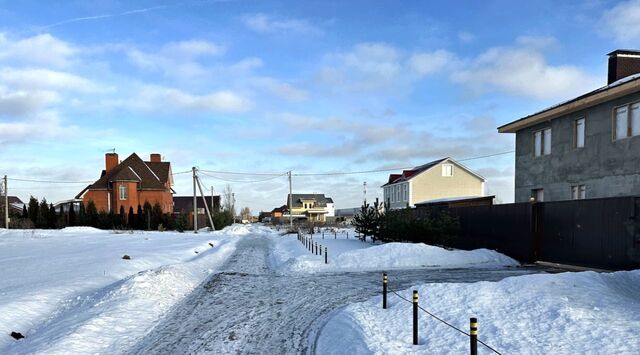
(176, 59)
(157, 98)
(466, 37)
(43, 49)
(44, 125)
(281, 89)
(622, 22)
(523, 70)
(267, 24)
(20, 103)
(38, 78)
(427, 63)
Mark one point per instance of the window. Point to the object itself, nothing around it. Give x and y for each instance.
(578, 192)
(542, 142)
(627, 121)
(406, 192)
(398, 193)
(537, 195)
(123, 192)
(447, 170)
(578, 139)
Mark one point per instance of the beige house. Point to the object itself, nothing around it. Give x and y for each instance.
(440, 179)
(312, 207)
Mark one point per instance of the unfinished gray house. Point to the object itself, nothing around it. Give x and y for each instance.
(587, 147)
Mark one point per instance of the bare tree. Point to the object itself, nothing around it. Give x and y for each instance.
(229, 200)
(245, 213)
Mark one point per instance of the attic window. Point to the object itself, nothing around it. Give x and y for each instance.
(447, 169)
(627, 121)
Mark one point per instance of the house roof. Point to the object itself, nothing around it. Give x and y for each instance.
(15, 199)
(321, 199)
(282, 209)
(411, 173)
(185, 203)
(622, 87)
(150, 175)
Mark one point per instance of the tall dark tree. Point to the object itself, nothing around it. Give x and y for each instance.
(52, 217)
(42, 219)
(34, 208)
(122, 218)
(131, 219)
(156, 216)
(72, 216)
(140, 221)
(92, 214)
(147, 215)
(25, 214)
(82, 215)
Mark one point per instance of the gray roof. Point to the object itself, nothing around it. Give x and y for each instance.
(321, 199)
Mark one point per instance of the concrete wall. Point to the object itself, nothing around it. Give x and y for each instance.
(605, 166)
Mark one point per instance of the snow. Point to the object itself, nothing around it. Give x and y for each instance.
(290, 256)
(70, 291)
(568, 313)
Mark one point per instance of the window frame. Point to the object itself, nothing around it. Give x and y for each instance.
(444, 168)
(542, 142)
(535, 193)
(576, 132)
(123, 188)
(578, 192)
(614, 122)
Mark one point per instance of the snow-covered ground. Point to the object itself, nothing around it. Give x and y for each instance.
(568, 313)
(70, 291)
(346, 253)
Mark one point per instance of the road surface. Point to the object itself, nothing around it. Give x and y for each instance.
(248, 308)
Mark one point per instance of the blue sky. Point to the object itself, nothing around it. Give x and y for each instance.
(272, 86)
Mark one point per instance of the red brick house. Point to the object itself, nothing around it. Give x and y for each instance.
(130, 183)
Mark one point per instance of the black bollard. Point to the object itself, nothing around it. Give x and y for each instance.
(473, 336)
(384, 291)
(415, 317)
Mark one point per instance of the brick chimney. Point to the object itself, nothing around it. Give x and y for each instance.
(622, 63)
(111, 161)
(155, 158)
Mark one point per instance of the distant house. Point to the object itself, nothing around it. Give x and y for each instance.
(443, 178)
(312, 207)
(15, 205)
(184, 204)
(130, 183)
(278, 212)
(586, 147)
(347, 214)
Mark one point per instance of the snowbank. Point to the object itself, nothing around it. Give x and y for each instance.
(70, 291)
(353, 255)
(568, 313)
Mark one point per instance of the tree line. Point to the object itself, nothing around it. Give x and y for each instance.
(43, 215)
(434, 226)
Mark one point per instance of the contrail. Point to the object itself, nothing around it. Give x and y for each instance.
(125, 13)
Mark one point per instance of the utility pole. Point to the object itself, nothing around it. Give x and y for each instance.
(6, 203)
(212, 197)
(290, 203)
(195, 202)
(206, 205)
(365, 192)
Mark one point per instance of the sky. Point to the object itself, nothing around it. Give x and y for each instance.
(272, 86)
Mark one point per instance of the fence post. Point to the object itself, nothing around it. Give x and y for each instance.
(320, 249)
(316, 248)
(473, 336)
(326, 261)
(384, 290)
(322, 234)
(335, 234)
(415, 317)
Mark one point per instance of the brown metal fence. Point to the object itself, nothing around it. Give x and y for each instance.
(601, 233)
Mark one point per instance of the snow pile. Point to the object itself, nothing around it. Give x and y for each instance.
(70, 291)
(569, 313)
(352, 255)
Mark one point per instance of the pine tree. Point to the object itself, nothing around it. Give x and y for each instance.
(82, 215)
(92, 214)
(122, 218)
(52, 217)
(25, 214)
(140, 218)
(34, 208)
(42, 219)
(72, 216)
(156, 216)
(131, 219)
(147, 215)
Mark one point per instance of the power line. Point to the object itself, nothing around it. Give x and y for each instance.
(241, 181)
(51, 181)
(241, 173)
